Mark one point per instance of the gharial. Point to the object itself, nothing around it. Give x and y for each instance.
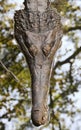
(38, 31)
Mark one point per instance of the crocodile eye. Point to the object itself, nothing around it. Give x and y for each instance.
(33, 50)
(46, 50)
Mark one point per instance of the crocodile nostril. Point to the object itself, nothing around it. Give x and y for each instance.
(39, 117)
(43, 118)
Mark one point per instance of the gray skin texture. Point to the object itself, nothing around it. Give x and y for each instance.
(39, 38)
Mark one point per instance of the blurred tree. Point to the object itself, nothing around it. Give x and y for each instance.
(15, 91)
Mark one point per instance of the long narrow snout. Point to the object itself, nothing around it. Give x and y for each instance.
(40, 88)
(39, 114)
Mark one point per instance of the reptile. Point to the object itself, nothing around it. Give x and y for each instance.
(38, 31)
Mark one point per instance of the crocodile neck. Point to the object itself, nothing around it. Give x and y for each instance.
(37, 5)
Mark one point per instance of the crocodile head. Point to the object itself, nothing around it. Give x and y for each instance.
(42, 48)
(38, 33)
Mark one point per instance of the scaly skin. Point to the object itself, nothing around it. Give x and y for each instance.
(39, 46)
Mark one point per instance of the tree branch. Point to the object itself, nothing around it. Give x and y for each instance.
(59, 124)
(52, 112)
(10, 72)
(66, 30)
(59, 63)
